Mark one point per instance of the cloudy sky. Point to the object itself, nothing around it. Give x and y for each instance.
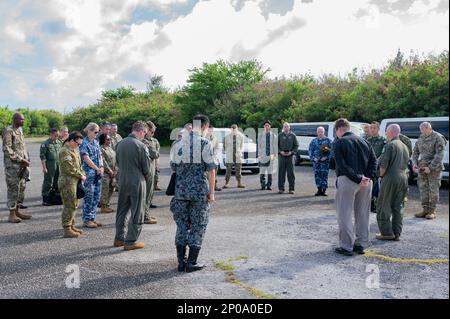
(62, 53)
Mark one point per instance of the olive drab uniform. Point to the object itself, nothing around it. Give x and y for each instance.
(70, 172)
(156, 178)
(153, 150)
(108, 182)
(215, 147)
(377, 143)
(133, 161)
(233, 146)
(115, 139)
(429, 152)
(49, 154)
(405, 140)
(286, 143)
(15, 151)
(394, 186)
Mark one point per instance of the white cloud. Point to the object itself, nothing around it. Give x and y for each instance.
(101, 48)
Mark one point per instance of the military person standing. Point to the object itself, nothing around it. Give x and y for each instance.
(287, 147)
(215, 146)
(394, 185)
(50, 165)
(405, 140)
(233, 145)
(377, 142)
(153, 150)
(366, 129)
(63, 135)
(320, 154)
(71, 174)
(267, 150)
(133, 160)
(115, 136)
(157, 170)
(16, 162)
(428, 156)
(110, 173)
(194, 192)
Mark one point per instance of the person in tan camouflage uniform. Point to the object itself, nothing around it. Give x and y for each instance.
(428, 156)
(70, 173)
(16, 162)
(109, 177)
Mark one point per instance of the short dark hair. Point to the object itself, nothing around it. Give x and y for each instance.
(53, 130)
(267, 122)
(234, 126)
(102, 138)
(139, 126)
(74, 136)
(342, 122)
(202, 118)
(376, 123)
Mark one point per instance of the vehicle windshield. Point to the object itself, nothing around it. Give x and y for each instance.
(220, 135)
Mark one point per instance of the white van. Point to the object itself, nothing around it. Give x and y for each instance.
(410, 128)
(250, 159)
(306, 132)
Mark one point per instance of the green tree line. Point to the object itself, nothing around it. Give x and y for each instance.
(241, 93)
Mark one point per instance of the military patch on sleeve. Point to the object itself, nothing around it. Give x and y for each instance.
(67, 158)
(440, 148)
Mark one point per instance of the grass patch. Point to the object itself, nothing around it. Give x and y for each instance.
(228, 268)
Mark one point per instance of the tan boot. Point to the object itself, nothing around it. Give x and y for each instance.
(136, 245)
(422, 214)
(383, 237)
(105, 210)
(13, 218)
(69, 233)
(22, 216)
(431, 214)
(240, 185)
(76, 229)
(226, 185)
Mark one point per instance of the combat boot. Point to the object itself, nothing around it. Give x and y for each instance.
(226, 185)
(181, 256)
(22, 216)
(240, 185)
(324, 190)
(319, 192)
(422, 214)
(79, 231)
(106, 210)
(431, 214)
(13, 218)
(46, 201)
(192, 264)
(69, 233)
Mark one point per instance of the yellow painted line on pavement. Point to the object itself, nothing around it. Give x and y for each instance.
(374, 254)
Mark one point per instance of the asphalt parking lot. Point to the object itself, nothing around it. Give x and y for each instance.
(258, 244)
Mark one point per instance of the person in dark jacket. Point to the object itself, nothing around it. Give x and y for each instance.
(356, 166)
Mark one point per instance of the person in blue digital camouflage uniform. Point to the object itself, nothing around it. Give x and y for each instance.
(320, 154)
(192, 159)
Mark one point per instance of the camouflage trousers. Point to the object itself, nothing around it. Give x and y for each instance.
(238, 167)
(429, 188)
(108, 185)
(321, 171)
(68, 191)
(191, 218)
(92, 190)
(15, 186)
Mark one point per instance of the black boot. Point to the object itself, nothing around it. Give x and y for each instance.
(46, 201)
(319, 192)
(181, 255)
(192, 260)
(323, 192)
